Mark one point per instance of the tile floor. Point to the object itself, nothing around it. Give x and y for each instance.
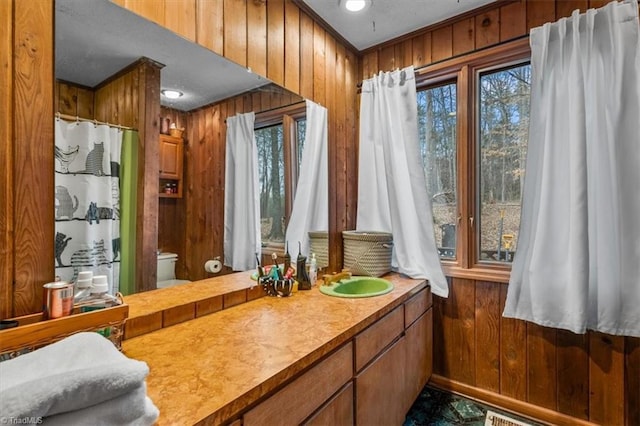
(438, 408)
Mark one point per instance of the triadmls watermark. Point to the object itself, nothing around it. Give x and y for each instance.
(20, 420)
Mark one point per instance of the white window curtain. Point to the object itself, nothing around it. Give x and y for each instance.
(241, 194)
(392, 191)
(578, 258)
(310, 205)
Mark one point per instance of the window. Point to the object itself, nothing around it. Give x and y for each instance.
(279, 138)
(271, 171)
(301, 126)
(473, 118)
(437, 133)
(502, 137)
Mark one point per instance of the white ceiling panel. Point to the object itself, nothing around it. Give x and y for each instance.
(383, 20)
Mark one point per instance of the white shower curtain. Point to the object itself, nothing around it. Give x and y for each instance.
(87, 200)
(392, 194)
(310, 205)
(578, 258)
(241, 195)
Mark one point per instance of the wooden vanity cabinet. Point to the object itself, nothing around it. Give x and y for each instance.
(387, 387)
(171, 164)
(301, 398)
(372, 379)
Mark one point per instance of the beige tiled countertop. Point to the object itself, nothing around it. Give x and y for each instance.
(211, 368)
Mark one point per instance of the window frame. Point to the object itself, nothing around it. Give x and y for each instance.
(478, 71)
(465, 70)
(287, 116)
(432, 83)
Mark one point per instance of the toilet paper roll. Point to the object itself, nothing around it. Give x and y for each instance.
(213, 266)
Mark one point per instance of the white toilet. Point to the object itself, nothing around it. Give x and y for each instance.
(167, 271)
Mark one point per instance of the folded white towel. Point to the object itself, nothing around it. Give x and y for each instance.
(79, 371)
(133, 408)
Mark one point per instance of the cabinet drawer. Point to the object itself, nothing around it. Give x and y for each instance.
(375, 338)
(296, 401)
(416, 306)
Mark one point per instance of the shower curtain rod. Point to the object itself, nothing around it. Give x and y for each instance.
(96, 122)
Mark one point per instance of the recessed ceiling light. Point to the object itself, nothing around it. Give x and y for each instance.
(171, 94)
(355, 5)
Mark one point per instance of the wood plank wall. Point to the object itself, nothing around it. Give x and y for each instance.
(6, 159)
(593, 377)
(275, 39)
(26, 115)
(75, 100)
(132, 99)
(543, 371)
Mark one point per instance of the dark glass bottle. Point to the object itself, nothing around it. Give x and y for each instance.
(304, 283)
(287, 258)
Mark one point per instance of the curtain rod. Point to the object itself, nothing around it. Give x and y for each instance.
(96, 122)
(419, 70)
(275, 108)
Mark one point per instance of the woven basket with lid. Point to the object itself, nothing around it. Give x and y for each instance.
(367, 253)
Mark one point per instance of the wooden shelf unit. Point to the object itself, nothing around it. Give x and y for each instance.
(171, 166)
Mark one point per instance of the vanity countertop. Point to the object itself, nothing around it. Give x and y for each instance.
(210, 369)
(149, 302)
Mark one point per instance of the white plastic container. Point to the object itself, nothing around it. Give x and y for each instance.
(99, 297)
(100, 286)
(83, 286)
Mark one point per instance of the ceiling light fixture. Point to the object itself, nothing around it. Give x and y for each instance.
(355, 5)
(171, 94)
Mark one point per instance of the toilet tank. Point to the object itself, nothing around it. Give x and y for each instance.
(167, 266)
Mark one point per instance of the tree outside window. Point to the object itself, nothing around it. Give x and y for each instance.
(473, 123)
(271, 172)
(279, 139)
(503, 134)
(437, 135)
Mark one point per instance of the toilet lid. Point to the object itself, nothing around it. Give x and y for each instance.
(164, 256)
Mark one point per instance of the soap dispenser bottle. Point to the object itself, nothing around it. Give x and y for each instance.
(313, 269)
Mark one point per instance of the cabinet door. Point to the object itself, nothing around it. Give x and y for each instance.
(170, 157)
(419, 356)
(380, 388)
(337, 412)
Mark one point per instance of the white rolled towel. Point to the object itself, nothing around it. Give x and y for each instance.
(133, 409)
(79, 371)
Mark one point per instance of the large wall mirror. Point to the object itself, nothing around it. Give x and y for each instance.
(101, 54)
